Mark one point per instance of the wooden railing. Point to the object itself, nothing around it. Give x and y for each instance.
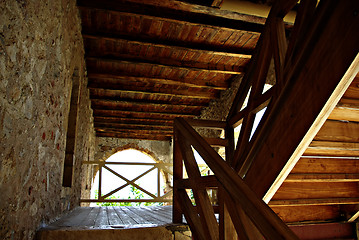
(313, 68)
(154, 197)
(236, 194)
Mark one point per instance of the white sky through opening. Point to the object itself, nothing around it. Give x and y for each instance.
(111, 181)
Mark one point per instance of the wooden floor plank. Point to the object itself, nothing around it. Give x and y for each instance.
(135, 216)
(113, 217)
(91, 218)
(156, 213)
(102, 219)
(97, 217)
(125, 218)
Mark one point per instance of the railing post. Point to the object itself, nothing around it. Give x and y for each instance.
(177, 175)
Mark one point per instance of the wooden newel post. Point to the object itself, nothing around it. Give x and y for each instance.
(177, 175)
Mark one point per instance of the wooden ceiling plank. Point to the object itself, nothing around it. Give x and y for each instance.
(104, 92)
(135, 136)
(134, 114)
(181, 11)
(139, 121)
(132, 126)
(133, 106)
(144, 97)
(153, 89)
(176, 65)
(135, 131)
(173, 45)
(145, 111)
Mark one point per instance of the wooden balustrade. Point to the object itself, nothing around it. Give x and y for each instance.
(202, 218)
(154, 197)
(255, 168)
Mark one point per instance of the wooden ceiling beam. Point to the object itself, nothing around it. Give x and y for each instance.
(181, 11)
(142, 107)
(135, 114)
(108, 93)
(161, 132)
(133, 121)
(168, 63)
(204, 84)
(159, 89)
(116, 126)
(175, 45)
(147, 98)
(134, 136)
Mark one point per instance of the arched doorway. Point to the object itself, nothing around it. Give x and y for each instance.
(131, 177)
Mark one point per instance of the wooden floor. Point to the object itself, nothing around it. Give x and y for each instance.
(98, 217)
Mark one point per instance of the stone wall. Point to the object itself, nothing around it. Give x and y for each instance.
(158, 150)
(40, 51)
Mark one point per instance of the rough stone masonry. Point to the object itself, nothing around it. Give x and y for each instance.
(41, 51)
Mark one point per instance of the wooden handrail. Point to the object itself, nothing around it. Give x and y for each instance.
(269, 224)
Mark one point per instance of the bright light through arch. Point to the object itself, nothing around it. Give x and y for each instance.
(111, 182)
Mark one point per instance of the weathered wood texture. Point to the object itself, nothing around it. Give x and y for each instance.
(169, 54)
(266, 221)
(296, 112)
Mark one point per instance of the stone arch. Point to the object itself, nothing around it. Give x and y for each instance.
(111, 151)
(131, 146)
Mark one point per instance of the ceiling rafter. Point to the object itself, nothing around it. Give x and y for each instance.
(164, 89)
(131, 106)
(167, 133)
(171, 64)
(137, 114)
(204, 84)
(177, 45)
(134, 136)
(181, 11)
(105, 92)
(134, 121)
(132, 127)
(180, 101)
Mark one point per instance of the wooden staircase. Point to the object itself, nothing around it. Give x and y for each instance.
(314, 67)
(323, 185)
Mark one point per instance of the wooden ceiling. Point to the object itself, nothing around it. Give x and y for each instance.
(149, 62)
